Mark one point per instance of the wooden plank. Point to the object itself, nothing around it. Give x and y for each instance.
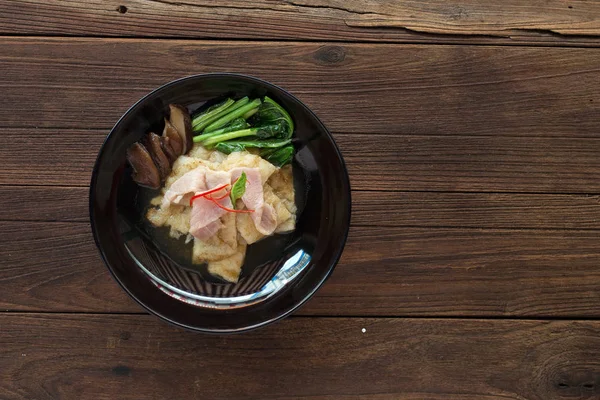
(354, 88)
(424, 163)
(409, 209)
(44, 203)
(411, 271)
(433, 21)
(475, 210)
(472, 164)
(49, 156)
(51, 266)
(107, 357)
(58, 265)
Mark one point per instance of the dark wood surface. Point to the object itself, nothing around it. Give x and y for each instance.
(429, 90)
(402, 162)
(73, 356)
(471, 133)
(554, 22)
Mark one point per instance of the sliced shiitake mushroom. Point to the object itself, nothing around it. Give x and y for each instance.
(180, 119)
(154, 147)
(152, 159)
(145, 172)
(165, 142)
(175, 140)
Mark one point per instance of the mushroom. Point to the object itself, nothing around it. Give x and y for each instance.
(145, 172)
(175, 140)
(153, 158)
(180, 119)
(153, 145)
(165, 142)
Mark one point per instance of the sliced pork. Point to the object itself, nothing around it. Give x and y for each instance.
(203, 211)
(205, 219)
(264, 215)
(185, 187)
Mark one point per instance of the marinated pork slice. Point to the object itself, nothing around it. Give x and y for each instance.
(206, 232)
(264, 215)
(205, 220)
(185, 187)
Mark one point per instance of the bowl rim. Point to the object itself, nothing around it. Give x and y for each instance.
(334, 260)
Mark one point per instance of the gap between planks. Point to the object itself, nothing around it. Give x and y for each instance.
(432, 227)
(455, 40)
(320, 316)
(106, 131)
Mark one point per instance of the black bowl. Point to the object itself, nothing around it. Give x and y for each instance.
(323, 219)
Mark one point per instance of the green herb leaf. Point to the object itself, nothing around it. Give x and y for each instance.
(278, 157)
(238, 189)
(271, 113)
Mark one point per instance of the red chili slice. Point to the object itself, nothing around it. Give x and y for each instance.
(222, 197)
(207, 193)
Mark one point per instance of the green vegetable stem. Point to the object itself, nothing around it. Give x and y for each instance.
(211, 111)
(233, 114)
(271, 121)
(262, 132)
(236, 124)
(241, 145)
(201, 125)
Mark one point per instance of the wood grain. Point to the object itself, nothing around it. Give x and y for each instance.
(369, 208)
(475, 210)
(384, 271)
(485, 203)
(432, 21)
(471, 164)
(353, 88)
(424, 163)
(44, 203)
(138, 357)
(59, 266)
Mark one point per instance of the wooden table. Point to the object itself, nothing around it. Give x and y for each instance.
(471, 131)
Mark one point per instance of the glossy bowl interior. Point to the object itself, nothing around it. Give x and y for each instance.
(323, 197)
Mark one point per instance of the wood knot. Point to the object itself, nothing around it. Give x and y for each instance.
(578, 387)
(125, 335)
(576, 380)
(565, 366)
(330, 54)
(122, 9)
